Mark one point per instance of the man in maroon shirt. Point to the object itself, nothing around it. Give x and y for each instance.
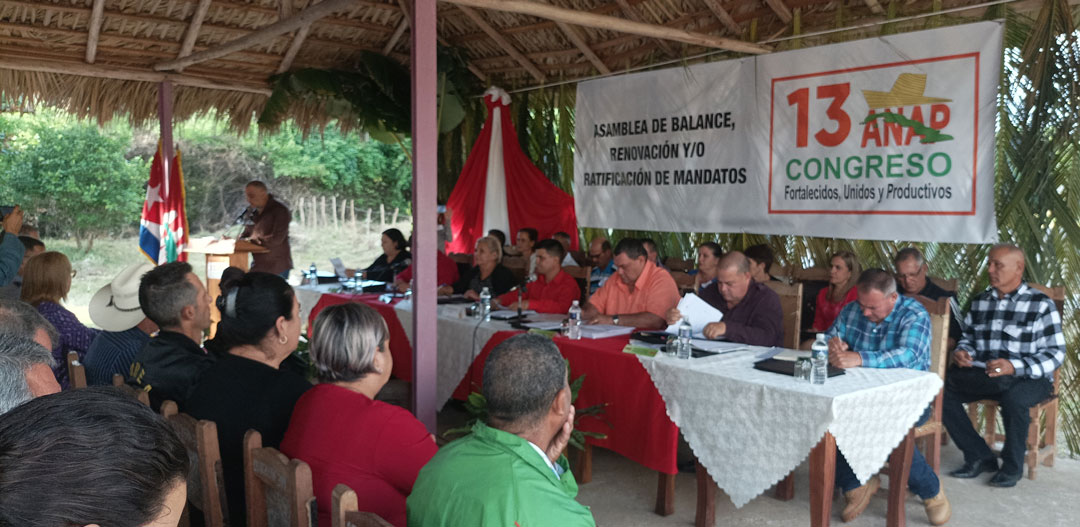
(553, 291)
(270, 230)
(751, 310)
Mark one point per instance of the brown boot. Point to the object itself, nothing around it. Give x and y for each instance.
(858, 499)
(938, 510)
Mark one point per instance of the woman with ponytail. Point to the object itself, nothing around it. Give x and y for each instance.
(245, 389)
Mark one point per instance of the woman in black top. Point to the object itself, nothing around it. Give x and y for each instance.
(487, 272)
(245, 389)
(394, 259)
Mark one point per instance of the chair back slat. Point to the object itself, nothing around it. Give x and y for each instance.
(517, 265)
(205, 483)
(675, 264)
(137, 394)
(582, 275)
(810, 274)
(684, 281)
(939, 332)
(581, 257)
(791, 305)
(76, 370)
(461, 258)
(948, 284)
(278, 489)
(344, 511)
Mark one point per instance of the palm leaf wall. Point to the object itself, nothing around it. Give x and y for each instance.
(1037, 181)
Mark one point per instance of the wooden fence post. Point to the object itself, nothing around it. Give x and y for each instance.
(300, 210)
(352, 214)
(333, 210)
(322, 212)
(367, 222)
(382, 217)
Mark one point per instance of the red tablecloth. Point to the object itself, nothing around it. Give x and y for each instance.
(640, 428)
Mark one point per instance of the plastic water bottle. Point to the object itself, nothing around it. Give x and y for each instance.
(686, 331)
(573, 326)
(485, 303)
(313, 275)
(819, 360)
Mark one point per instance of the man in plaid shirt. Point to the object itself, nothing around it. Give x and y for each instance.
(1011, 345)
(885, 330)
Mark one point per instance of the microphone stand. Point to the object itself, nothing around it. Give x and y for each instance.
(518, 322)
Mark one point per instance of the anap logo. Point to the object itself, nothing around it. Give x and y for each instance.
(907, 91)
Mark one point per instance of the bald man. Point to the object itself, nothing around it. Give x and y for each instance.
(751, 310)
(270, 230)
(1012, 342)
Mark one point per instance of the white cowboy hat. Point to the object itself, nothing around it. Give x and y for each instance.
(115, 307)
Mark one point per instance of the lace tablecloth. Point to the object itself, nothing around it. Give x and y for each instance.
(461, 339)
(309, 295)
(751, 428)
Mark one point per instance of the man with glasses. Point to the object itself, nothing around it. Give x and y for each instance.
(602, 260)
(911, 272)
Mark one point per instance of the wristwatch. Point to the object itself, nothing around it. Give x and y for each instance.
(615, 320)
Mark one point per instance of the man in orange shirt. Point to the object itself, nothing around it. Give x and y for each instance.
(553, 291)
(642, 295)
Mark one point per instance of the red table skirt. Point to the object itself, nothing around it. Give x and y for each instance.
(640, 428)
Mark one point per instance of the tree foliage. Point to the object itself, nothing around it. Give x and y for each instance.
(71, 175)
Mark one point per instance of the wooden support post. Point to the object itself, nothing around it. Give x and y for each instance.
(785, 488)
(425, 144)
(899, 469)
(822, 480)
(333, 210)
(706, 498)
(665, 494)
(97, 16)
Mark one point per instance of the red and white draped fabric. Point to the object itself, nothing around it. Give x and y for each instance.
(500, 188)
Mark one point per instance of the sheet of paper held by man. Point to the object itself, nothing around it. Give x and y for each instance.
(699, 312)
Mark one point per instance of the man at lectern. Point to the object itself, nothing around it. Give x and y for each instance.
(270, 229)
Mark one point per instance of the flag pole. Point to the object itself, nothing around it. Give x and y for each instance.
(165, 121)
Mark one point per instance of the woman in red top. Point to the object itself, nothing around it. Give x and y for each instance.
(342, 432)
(843, 272)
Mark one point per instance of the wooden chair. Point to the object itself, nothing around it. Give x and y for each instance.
(675, 264)
(684, 281)
(811, 274)
(344, 511)
(461, 258)
(931, 431)
(140, 395)
(581, 257)
(948, 284)
(278, 489)
(76, 370)
(1042, 432)
(791, 305)
(517, 265)
(581, 274)
(205, 479)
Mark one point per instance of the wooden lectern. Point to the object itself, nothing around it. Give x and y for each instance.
(221, 254)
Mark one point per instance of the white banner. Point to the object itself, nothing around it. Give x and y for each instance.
(889, 138)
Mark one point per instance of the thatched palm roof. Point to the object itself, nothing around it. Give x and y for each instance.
(102, 57)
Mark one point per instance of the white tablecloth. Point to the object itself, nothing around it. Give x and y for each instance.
(751, 428)
(461, 339)
(308, 296)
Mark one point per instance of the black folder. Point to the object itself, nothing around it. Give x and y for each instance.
(787, 367)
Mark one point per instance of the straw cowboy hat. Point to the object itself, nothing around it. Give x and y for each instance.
(906, 91)
(115, 307)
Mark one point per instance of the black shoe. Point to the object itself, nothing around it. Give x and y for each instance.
(1004, 479)
(971, 470)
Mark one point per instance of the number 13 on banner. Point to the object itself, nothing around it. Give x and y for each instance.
(835, 94)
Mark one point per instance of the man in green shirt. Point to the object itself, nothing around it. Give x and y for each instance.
(510, 471)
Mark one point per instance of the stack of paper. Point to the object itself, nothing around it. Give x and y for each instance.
(699, 312)
(603, 331)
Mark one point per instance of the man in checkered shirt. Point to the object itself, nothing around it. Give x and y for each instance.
(885, 330)
(1011, 345)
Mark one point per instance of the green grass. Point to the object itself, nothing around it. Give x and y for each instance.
(110, 255)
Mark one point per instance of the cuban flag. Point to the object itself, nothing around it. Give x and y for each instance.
(163, 230)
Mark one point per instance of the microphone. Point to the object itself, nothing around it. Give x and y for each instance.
(242, 216)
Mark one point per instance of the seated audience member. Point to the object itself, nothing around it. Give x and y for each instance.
(553, 291)
(245, 389)
(125, 328)
(761, 260)
(526, 240)
(22, 320)
(708, 255)
(564, 240)
(911, 271)
(92, 457)
(342, 432)
(499, 235)
(652, 253)
(487, 272)
(167, 367)
(601, 259)
(640, 297)
(843, 272)
(752, 313)
(885, 330)
(446, 272)
(46, 281)
(509, 470)
(1012, 342)
(32, 247)
(25, 371)
(394, 259)
(11, 251)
